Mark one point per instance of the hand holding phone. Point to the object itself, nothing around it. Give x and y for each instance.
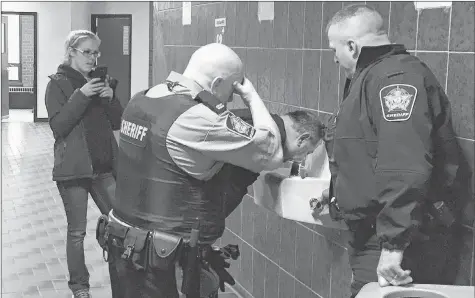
(99, 72)
(92, 87)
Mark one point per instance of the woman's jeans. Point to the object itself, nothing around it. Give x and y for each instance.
(75, 197)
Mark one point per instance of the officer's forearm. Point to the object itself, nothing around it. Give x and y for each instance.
(261, 116)
(400, 217)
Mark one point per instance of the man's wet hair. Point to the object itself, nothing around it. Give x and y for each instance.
(306, 121)
(350, 11)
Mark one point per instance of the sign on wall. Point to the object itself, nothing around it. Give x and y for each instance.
(126, 40)
(3, 38)
(219, 28)
(265, 11)
(186, 15)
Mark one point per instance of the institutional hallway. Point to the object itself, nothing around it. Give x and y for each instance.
(34, 221)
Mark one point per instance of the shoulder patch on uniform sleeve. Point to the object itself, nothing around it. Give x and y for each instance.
(397, 101)
(239, 126)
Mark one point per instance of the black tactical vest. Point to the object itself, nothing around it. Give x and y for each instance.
(152, 191)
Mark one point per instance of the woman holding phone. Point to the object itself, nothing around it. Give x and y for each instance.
(82, 113)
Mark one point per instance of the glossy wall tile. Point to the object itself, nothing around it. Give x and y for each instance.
(291, 66)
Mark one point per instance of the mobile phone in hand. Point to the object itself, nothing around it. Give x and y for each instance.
(99, 72)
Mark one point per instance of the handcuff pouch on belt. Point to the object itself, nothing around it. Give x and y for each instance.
(129, 243)
(143, 248)
(165, 250)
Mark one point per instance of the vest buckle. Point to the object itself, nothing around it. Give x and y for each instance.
(128, 252)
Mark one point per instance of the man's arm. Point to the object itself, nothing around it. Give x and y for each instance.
(262, 119)
(230, 185)
(403, 168)
(233, 181)
(402, 121)
(227, 138)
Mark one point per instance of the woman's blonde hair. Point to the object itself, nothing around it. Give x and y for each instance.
(73, 40)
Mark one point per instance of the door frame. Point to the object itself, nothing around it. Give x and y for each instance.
(5, 99)
(35, 55)
(94, 17)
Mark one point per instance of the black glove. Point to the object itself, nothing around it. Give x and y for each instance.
(216, 259)
(231, 251)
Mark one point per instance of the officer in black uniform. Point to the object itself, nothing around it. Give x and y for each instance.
(175, 137)
(393, 153)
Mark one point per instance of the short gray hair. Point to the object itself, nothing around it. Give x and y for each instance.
(350, 11)
(307, 122)
(74, 38)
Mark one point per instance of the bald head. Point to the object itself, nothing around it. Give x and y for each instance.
(355, 22)
(214, 60)
(215, 67)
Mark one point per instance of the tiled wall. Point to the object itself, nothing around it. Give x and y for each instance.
(289, 62)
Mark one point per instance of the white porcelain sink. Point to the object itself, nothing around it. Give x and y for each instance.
(290, 197)
(373, 290)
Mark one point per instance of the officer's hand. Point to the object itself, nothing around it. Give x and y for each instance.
(389, 269)
(92, 87)
(231, 251)
(246, 90)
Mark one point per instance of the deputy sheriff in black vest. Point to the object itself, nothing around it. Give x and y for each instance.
(393, 153)
(175, 137)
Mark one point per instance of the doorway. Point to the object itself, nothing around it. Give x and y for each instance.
(19, 65)
(115, 32)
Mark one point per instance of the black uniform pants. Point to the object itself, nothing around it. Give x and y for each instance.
(133, 283)
(433, 258)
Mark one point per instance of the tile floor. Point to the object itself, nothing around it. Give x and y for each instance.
(34, 223)
(19, 115)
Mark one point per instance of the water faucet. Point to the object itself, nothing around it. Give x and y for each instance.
(296, 169)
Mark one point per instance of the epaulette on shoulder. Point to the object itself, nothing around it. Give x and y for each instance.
(211, 102)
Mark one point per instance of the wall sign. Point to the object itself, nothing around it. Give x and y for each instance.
(126, 40)
(265, 11)
(219, 29)
(3, 38)
(186, 13)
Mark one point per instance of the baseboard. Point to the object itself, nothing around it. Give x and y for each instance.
(41, 120)
(240, 291)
